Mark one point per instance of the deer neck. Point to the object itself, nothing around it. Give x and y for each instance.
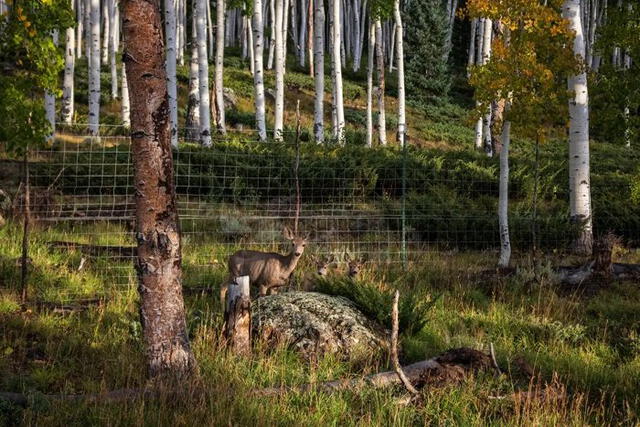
(291, 261)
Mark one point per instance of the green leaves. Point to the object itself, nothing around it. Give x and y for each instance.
(31, 64)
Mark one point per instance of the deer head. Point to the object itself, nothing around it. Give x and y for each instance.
(322, 265)
(355, 265)
(297, 243)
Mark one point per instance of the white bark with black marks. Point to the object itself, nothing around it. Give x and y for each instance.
(171, 64)
(203, 73)
(258, 69)
(219, 71)
(318, 59)
(94, 69)
(68, 106)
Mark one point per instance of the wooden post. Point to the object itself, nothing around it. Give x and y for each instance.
(237, 316)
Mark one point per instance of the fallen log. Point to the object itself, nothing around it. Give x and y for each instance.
(412, 372)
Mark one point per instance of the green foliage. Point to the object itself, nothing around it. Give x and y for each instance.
(375, 303)
(426, 71)
(31, 63)
(615, 89)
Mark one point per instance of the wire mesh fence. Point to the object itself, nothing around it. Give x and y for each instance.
(387, 205)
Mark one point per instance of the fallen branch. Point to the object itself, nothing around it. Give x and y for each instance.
(394, 347)
(413, 372)
(96, 250)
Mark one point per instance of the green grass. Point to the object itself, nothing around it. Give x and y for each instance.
(590, 342)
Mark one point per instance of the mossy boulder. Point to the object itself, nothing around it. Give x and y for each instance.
(315, 324)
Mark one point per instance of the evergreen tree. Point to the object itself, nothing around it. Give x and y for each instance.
(427, 73)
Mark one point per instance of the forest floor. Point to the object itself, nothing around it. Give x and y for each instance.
(80, 332)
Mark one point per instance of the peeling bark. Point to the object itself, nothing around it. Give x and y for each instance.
(159, 263)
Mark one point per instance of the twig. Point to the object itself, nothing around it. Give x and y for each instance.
(493, 359)
(394, 346)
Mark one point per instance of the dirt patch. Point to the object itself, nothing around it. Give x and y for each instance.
(455, 365)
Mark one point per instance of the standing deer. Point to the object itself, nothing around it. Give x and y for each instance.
(266, 270)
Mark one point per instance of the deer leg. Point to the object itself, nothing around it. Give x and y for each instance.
(223, 294)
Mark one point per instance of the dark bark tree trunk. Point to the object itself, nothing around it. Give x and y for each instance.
(159, 262)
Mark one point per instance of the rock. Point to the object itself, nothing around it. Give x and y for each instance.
(230, 99)
(270, 94)
(314, 324)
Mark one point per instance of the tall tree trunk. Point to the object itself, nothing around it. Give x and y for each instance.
(113, 48)
(221, 10)
(486, 56)
(171, 63)
(67, 108)
(318, 59)
(192, 124)
(371, 55)
(209, 27)
(94, 70)
(272, 39)
(503, 198)
(278, 126)
(79, 26)
(579, 170)
(452, 6)
(472, 46)
(402, 116)
(479, 61)
(382, 120)
(258, 69)
(159, 261)
(125, 107)
(203, 73)
(302, 39)
(311, 36)
(337, 77)
(106, 27)
(88, 30)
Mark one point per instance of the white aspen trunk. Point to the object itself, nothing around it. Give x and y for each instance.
(180, 33)
(334, 116)
(402, 117)
(244, 38)
(486, 56)
(203, 73)
(339, 102)
(192, 124)
(393, 46)
(209, 27)
(87, 30)
(105, 32)
(67, 108)
(219, 71)
(479, 57)
(311, 35)
(295, 36)
(252, 53)
(170, 66)
(50, 101)
(113, 47)
(94, 69)
(126, 109)
(79, 27)
(472, 45)
(579, 169)
(503, 198)
(318, 59)
(340, 21)
(382, 120)
(272, 39)
(627, 131)
(357, 40)
(278, 125)
(285, 30)
(371, 55)
(302, 40)
(258, 69)
(593, 23)
(363, 34)
(452, 6)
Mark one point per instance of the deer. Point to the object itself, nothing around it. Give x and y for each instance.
(354, 265)
(322, 270)
(268, 271)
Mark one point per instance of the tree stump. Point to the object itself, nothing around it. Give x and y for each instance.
(237, 316)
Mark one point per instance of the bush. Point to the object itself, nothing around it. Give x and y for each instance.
(376, 303)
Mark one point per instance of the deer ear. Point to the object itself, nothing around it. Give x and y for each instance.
(286, 232)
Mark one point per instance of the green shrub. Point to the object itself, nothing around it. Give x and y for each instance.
(376, 303)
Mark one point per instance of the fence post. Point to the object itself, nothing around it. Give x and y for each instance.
(237, 316)
(404, 204)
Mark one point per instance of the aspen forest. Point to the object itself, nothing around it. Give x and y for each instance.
(320, 212)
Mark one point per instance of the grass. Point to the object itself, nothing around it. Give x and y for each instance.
(592, 343)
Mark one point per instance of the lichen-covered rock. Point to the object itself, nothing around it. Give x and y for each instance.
(314, 324)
